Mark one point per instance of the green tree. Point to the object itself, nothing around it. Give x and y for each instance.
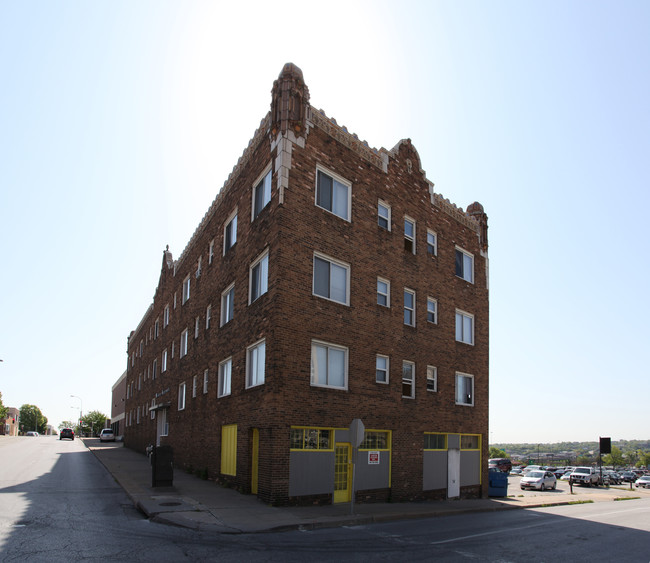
(94, 421)
(644, 460)
(3, 410)
(496, 452)
(67, 424)
(615, 458)
(31, 418)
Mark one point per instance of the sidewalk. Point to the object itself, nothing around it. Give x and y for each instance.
(203, 505)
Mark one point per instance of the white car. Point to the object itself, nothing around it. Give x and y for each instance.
(107, 435)
(540, 480)
(643, 482)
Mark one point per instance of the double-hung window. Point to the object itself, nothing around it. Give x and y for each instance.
(205, 381)
(464, 327)
(432, 378)
(408, 380)
(409, 307)
(331, 279)
(230, 233)
(383, 292)
(432, 243)
(259, 277)
(409, 235)
(166, 316)
(383, 215)
(163, 365)
(186, 290)
(208, 316)
(464, 389)
(261, 193)
(211, 252)
(194, 385)
(329, 365)
(333, 194)
(183, 351)
(464, 265)
(432, 310)
(225, 375)
(255, 364)
(197, 322)
(228, 305)
(181, 396)
(154, 369)
(381, 369)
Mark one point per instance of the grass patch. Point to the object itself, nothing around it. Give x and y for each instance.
(581, 502)
(627, 498)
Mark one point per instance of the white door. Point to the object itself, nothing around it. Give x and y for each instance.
(453, 473)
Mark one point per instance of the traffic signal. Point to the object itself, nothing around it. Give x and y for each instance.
(605, 445)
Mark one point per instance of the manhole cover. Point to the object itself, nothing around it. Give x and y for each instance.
(170, 504)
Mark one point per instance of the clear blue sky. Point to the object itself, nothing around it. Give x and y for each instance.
(120, 121)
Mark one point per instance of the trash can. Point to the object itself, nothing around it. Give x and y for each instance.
(162, 466)
(498, 486)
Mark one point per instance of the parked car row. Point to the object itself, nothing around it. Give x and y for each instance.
(586, 476)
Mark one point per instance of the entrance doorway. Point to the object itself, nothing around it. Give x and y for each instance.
(342, 473)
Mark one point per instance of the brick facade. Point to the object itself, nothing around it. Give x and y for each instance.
(296, 141)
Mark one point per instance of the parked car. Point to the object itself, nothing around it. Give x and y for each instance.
(32, 433)
(66, 433)
(530, 468)
(643, 482)
(501, 463)
(559, 472)
(612, 478)
(516, 471)
(107, 435)
(540, 480)
(628, 477)
(585, 476)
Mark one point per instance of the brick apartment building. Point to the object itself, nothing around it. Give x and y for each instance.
(327, 282)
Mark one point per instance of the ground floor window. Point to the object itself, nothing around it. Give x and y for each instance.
(435, 441)
(311, 439)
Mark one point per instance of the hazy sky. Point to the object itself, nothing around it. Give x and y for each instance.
(120, 121)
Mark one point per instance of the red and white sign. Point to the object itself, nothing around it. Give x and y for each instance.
(373, 458)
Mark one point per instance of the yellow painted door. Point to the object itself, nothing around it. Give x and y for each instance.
(342, 492)
(255, 456)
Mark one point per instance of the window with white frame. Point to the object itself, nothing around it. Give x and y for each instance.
(383, 292)
(198, 267)
(184, 336)
(230, 232)
(137, 419)
(383, 215)
(255, 364)
(432, 243)
(175, 300)
(228, 305)
(156, 330)
(186, 290)
(464, 265)
(464, 389)
(211, 252)
(259, 277)
(464, 327)
(329, 365)
(262, 193)
(195, 382)
(173, 348)
(381, 369)
(163, 365)
(181, 396)
(333, 194)
(166, 316)
(141, 348)
(163, 423)
(208, 316)
(205, 381)
(154, 369)
(140, 382)
(409, 307)
(225, 375)
(331, 279)
(432, 378)
(432, 310)
(197, 323)
(409, 235)
(408, 379)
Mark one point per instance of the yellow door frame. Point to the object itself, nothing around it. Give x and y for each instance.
(342, 472)
(255, 460)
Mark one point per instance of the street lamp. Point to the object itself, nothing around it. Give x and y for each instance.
(81, 408)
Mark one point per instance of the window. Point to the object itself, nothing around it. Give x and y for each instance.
(174, 300)
(408, 381)
(166, 316)
(205, 381)
(229, 449)
(186, 290)
(173, 348)
(181, 396)
(333, 194)
(225, 374)
(162, 422)
(259, 277)
(432, 310)
(154, 369)
(383, 292)
(230, 233)
(432, 378)
(331, 279)
(197, 322)
(194, 385)
(208, 316)
(311, 439)
(381, 369)
(183, 351)
(329, 365)
(262, 194)
(163, 365)
(432, 243)
(156, 331)
(198, 267)
(140, 382)
(383, 215)
(375, 440)
(227, 305)
(255, 364)
(470, 442)
(464, 265)
(464, 327)
(211, 252)
(141, 348)
(409, 235)
(409, 307)
(464, 389)
(435, 441)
